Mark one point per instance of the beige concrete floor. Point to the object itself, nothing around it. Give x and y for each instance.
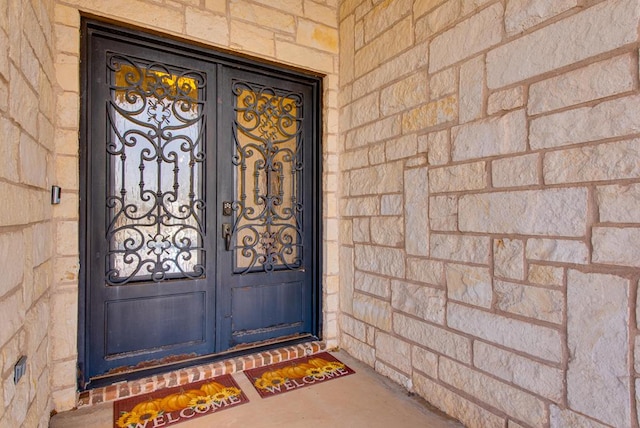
(363, 399)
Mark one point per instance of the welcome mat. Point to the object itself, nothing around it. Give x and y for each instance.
(295, 374)
(170, 406)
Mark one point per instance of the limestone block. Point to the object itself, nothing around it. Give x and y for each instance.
(67, 108)
(473, 35)
(560, 212)
(467, 412)
(353, 327)
(402, 147)
(528, 301)
(354, 159)
(512, 401)
(437, 147)
(425, 361)
(443, 213)
(404, 64)
(404, 94)
(297, 55)
(393, 374)
(515, 171)
(434, 338)
(374, 132)
(542, 342)
(248, 37)
(365, 109)
(318, 36)
(219, 6)
(372, 311)
(373, 284)
(359, 350)
(390, 43)
(377, 154)
(608, 161)
(457, 178)
(438, 19)
(602, 79)
(421, 301)
(346, 279)
(545, 275)
(23, 103)
(12, 316)
(331, 257)
(33, 162)
(387, 231)
(12, 251)
(444, 82)
(382, 16)
(619, 203)
(319, 12)
(472, 87)
(210, 26)
(469, 284)
(416, 212)
(393, 351)
(283, 22)
(380, 260)
(508, 258)
(391, 204)
(361, 230)
(523, 14)
(347, 49)
(556, 250)
(4, 93)
(505, 100)
(598, 381)
(538, 378)
(421, 7)
(365, 206)
(428, 115)
(561, 418)
(601, 28)
(425, 270)
(462, 248)
(386, 178)
(617, 246)
(67, 39)
(490, 137)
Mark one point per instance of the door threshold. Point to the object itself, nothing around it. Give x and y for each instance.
(183, 376)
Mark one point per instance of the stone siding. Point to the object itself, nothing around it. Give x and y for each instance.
(507, 131)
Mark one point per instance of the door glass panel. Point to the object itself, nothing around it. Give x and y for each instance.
(268, 160)
(156, 154)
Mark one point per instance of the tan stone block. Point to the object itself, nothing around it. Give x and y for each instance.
(359, 350)
(353, 327)
(347, 7)
(393, 351)
(67, 39)
(373, 284)
(66, 141)
(33, 162)
(385, 178)
(508, 258)
(250, 38)
(207, 26)
(602, 79)
(561, 418)
(541, 342)
(11, 248)
(512, 401)
(469, 284)
(325, 14)
(317, 36)
(23, 103)
(438, 19)
(468, 176)
(63, 325)
(469, 6)
(545, 275)
(597, 29)
(528, 301)
(404, 94)
(471, 89)
(559, 212)
(22, 206)
(395, 40)
(366, 109)
(361, 230)
(424, 302)
(425, 361)
(557, 250)
(12, 316)
(377, 154)
(346, 279)
(617, 246)
(432, 114)
(387, 231)
(383, 16)
(515, 171)
(531, 375)
(67, 110)
(490, 137)
(403, 65)
(421, 7)
(4, 95)
(347, 50)
(426, 271)
(263, 16)
(434, 338)
(64, 399)
(416, 212)
(67, 238)
(66, 269)
(619, 203)
(467, 38)
(380, 260)
(365, 206)
(443, 83)
(443, 213)
(462, 248)
(608, 161)
(391, 204)
(437, 146)
(290, 6)
(390, 372)
(598, 383)
(469, 413)
(9, 150)
(304, 56)
(523, 14)
(505, 100)
(218, 6)
(372, 311)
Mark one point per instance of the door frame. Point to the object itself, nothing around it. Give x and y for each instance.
(122, 31)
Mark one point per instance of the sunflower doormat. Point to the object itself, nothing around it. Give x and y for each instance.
(295, 374)
(173, 405)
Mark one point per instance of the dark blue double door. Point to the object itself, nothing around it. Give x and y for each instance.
(199, 205)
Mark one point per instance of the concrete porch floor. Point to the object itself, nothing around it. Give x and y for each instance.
(364, 399)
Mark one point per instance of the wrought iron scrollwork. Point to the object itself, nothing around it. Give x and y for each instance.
(156, 154)
(268, 139)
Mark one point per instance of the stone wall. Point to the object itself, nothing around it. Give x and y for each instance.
(26, 228)
(300, 33)
(490, 205)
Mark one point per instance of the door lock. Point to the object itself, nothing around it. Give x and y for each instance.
(227, 208)
(226, 234)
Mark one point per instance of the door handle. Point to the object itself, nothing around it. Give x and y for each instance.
(226, 234)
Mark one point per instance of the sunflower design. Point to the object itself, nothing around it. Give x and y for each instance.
(269, 379)
(315, 372)
(201, 403)
(232, 391)
(123, 420)
(134, 419)
(335, 365)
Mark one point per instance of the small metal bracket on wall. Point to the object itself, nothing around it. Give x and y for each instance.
(55, 195)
